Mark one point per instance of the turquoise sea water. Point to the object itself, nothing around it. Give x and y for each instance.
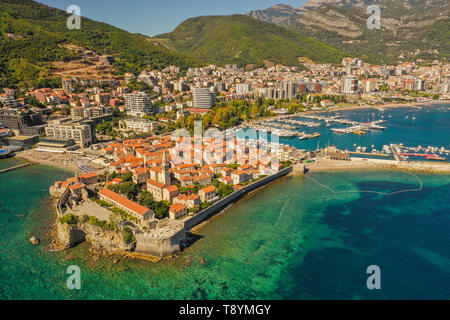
(293, 239)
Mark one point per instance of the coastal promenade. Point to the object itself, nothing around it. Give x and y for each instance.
(15, 167)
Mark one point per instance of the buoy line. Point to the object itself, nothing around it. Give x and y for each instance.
(369, 191)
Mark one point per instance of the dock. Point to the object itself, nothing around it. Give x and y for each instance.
(369, 154)
(15, 167)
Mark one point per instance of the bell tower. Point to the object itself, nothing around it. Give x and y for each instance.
(165, 173)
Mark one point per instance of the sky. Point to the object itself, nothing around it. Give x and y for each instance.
(153, 17)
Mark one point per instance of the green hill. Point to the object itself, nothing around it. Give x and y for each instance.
(39, 31)
(411, 30)
(244, 40)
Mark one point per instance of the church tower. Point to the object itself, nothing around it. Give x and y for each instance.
(165, 173)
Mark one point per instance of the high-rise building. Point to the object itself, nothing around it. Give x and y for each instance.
(369, 85)
(243, 88)
(138, 104)
(220, 86)
(351, 84)
(419, 84)
(445, 87)
(290, 89)
(103, 97)
(203, 98)
(67, 85)
(180, 86)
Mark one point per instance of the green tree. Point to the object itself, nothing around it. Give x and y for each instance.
(146, 199)
(69, 219)
(161, 209)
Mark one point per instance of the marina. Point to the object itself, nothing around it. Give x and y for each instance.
(345, 130)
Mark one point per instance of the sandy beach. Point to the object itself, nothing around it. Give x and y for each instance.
(64, 161)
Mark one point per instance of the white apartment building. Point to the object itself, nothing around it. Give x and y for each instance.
(351, 84)
(369, 85)
(138, 104)
(80, 133)
(139, 125)
(203, 98)
(243, 88)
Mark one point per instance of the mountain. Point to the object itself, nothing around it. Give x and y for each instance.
(414, 29)
(280, 14)
(244, 40)
(32, 35)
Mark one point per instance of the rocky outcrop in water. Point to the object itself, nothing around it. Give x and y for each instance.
(34, 241)
(68, 236)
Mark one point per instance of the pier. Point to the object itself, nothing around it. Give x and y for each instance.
(15, 167)
(369, 154)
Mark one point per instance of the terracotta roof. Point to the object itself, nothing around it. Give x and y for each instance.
(187, 165)
(156, 183)
(171, 188)
(177, 207)
(75, 186)
(124, 201)
(208, 189)
(88, 175)
(216, 165)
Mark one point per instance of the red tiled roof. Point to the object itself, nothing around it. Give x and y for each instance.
(177, 207)
(75, 186)
(156, 183)
(172, 188)
(208, 189)
(124, 201)
(88, 175)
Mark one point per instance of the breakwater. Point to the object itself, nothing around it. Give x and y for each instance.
(15, 167)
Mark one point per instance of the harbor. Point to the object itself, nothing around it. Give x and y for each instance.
(371, 139)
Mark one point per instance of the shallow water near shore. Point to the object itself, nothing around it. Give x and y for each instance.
(293, 239)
